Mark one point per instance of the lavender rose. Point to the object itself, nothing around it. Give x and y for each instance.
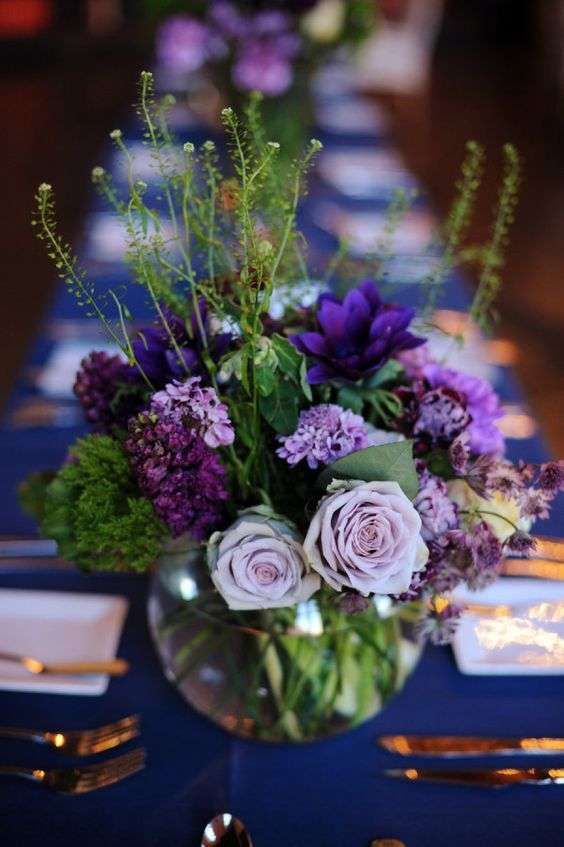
(366, 536)
(259, 563)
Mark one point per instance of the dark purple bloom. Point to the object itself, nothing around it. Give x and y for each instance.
(481, 402)
(227, 18)
(459, 453)
(356, 335)
(158, 357)
(551, 476)
(182, 477)
(108, 390)
(352, 603)
(439, 624)
(520, 543)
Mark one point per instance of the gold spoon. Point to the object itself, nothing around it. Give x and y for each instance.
(112, 667)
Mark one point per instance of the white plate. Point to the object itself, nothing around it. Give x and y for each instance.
(528, 642)
(55, 626)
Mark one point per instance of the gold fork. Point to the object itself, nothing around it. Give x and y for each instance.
(81, 742)
(81, 780)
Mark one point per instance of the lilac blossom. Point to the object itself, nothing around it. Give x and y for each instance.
(325, 433)
(97, 387)
(439, 624)
(196, 408)
(262, 66)
(182, 477)
(356, 336)
(441, 415)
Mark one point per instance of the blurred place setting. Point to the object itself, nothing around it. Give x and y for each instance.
(281, 538)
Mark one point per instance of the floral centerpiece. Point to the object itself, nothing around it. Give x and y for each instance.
(304, 481)
(268, 47)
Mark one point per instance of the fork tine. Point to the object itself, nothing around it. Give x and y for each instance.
(99, 739)
(94, 777)
(117, 726)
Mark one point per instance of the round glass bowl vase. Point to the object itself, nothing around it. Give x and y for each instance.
(294, 675)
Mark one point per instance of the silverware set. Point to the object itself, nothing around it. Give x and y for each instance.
(88, 742)
(461, 746)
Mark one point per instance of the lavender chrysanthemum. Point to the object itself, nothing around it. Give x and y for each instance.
(196, 408)
(482, 404)
(437, 511)
(325, 433)
(441, 416)
(356, 335)
(98, 381)
(184, 479)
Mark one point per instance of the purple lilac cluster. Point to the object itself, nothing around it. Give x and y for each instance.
(356, 335)
(97, 387)
(325, 433)
(196, 408)
(163, 361)
(182, 477)
(261, 45)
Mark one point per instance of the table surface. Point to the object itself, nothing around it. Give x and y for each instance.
(328, 793)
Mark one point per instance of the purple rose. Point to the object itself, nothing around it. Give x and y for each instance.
(366, 536)
(259, 563)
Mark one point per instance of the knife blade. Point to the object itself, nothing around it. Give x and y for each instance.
(500, 778)
(467, 745)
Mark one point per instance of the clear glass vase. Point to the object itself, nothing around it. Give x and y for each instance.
(282, 675)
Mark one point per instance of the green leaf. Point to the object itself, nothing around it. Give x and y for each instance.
(291, 362)
(281, 408)
(350, 397)
(266, 380)
(388, 373)
(387, 462)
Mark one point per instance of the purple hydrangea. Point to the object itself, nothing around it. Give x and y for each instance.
(159, 358)
(437, 511)
(262, 66)
(357, 335)
(97, 386)
(196, 408)
(482, 404)
(183, 43)
(325, 433)
(182, 477)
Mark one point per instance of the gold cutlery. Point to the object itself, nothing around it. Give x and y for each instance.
(81, 780)
(468, 745)
(226, 831)
(79, 742)
(494, 778)
(112, 667)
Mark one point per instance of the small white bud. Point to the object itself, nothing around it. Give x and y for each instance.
(115, 134)
(227, 112)
(98, 172)
(274, 144)
(208, 145)
(44, 188)
(189, 148)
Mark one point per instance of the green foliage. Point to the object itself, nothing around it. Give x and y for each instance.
(95, 513)
(370, 397)
(32, 493)
(492, 257)
(391, 462)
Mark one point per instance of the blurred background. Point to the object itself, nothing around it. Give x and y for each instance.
(492, 70)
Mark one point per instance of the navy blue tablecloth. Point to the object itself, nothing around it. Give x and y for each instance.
(327, 794)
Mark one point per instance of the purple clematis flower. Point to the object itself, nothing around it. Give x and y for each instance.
(159, 358)
(357, 335)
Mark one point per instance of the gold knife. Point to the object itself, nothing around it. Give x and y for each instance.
(500, 778)
(466, 745)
